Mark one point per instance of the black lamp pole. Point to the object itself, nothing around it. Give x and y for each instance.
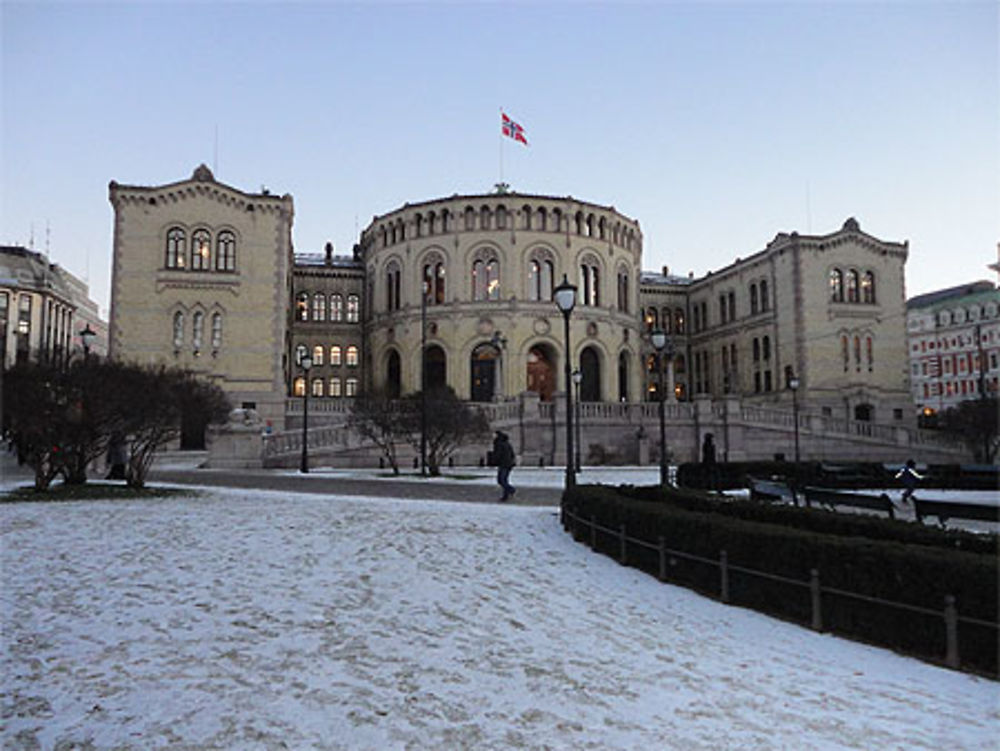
(577, 380)
(565, 298)
(306, 364)
(424, 289)
(664, 348)
(793, 384)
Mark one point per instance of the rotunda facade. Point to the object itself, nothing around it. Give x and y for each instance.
(471, 279)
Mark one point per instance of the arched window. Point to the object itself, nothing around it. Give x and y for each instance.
(652, 319)
(542, 217)
(352, 356)
(216, 330)
(334, 386)
(299, 386)
(201, 250)
(393, 378)
(666, 320)
(176, 248)
(679, 322)
(484, 217)
(435, 368)
(178, 330)
(836, 285)
(431, 223)
(766, 347)
(486, 279)
(590, 284)
(579, 222)
(418, 222)
(445, 220)
(317, 387)
(590, 367)
(868, 288)
(302, 306)
(353, 308)
(857, 353)
(335, 354)
(501, 217)
(623, 290)
(434, 281)
(336, 307)
(197, 330)
(470, 218)
(870, 353)
(844, 352)
(756, 350)
(526, 215)
(318, 351)
(765, 300)
(556, 225)
(319, 307)
(753, 299)
(300, 352)
(392, 287)
(602, 228)
(623, 360)
(852, 285)
(225, 251)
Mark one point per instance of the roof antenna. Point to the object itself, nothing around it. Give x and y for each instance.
(215, 152)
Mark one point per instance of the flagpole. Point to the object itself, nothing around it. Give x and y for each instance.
(501, 145)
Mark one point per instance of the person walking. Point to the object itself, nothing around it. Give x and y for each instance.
(503, 455)
(910, 478)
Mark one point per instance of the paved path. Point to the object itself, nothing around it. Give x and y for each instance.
(438, 489)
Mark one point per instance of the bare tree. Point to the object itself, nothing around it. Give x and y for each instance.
(448, 423)
(975, 423)
(377, 418)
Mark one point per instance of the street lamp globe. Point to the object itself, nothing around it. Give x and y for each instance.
(87, 336)
(793, 383)
(659, 339)
(565, 296)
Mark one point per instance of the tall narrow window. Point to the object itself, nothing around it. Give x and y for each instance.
(178, 330)
(836, 285)
(852, 285)
(318, 354)
(665, 320)
(439, 283)
(176, 248)
(679, 321)
(216, 330)
(534, 278)
(351, 387)
(765, 300)
(319, 307)
(766, 346)
(353, 308)
(201, 250)
(335, 387)
(857, 353)
(753, 299)
(335, 354)
(352, 356)
(317, 387)
(336, 307)
(225, 251)
(732, 306)
(756, 350)
(299, 386)
(844, 352)
(197, 330)
(493, 280)
(722, 309)
(868, 288)
(870, 354)
(302, 306)
(300, 352)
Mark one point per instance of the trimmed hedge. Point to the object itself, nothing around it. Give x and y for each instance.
(854, 475)
(916, 574)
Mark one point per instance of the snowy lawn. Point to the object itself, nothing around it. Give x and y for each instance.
(254, 620)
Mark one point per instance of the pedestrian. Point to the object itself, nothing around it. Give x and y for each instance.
(910, 477)
(708, 449)
(503, 455)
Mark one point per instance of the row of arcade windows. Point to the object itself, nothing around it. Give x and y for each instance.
(197, 331)
(318, 307)
(331, 387)
(852, 286)
(338, 355)
(200, 255)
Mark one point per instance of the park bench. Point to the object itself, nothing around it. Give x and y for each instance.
(832, 498)
(945, 510)
(769, 490)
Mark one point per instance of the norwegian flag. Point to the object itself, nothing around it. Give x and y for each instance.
(513, 130)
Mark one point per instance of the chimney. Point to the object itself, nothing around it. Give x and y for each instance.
(666, 271)
(329, 254)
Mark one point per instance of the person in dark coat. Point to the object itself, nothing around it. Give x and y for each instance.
(503, 455)
(909, 477)
(708, 449)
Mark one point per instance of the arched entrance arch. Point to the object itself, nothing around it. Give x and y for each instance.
(541, 371)
(590, 367)
(485, 372)
(435, 368)
(393, 375)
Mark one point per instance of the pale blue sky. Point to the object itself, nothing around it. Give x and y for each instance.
(715, 125)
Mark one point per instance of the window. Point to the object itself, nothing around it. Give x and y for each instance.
(665, 319)
(756, 350)
(486, 279)
(317, 387)
(857, 353)
(319, 307)
(852, 285)
(176, 248)
(753, 299)
(767, 380)
(434, 278)
(484, 217)
(722, 309)
(352, 356)
(623, 290)
(766, 346)
(540, 273)
(870, 353)
(470, 218)
(318, 354)
(300, 352)
(201, 244)
(732, 306)
(335, 353)
(225, 251)
(501, 217)
(178, 330)
(197, 330)
(590, 283)
(353, 306)
(302, 306)
(836, 285)
(765, 300)
(4, 304)
(336, 307)
(299, 386)
(392, 287)
(351, 388)
(335, 387)
(679, 320)
(868, 288)
(216, 330)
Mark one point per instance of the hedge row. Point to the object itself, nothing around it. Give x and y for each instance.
(817, 519)
(918, 575)
(731, 475)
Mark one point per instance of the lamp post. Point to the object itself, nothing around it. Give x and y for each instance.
(664, 348)
(87, 336)
(793, 384)
(577, 380)
(306, 364)
(565, 299)
(424, 289)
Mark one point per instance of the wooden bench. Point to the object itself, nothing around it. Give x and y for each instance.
(945, 510)
(833, 498)
(769, 490)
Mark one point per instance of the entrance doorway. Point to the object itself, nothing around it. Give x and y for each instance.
(484, 373)
(541, 373)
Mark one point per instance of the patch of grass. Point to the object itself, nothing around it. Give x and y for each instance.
(91, 491)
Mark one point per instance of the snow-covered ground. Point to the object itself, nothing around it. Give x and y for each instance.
(263, 620)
